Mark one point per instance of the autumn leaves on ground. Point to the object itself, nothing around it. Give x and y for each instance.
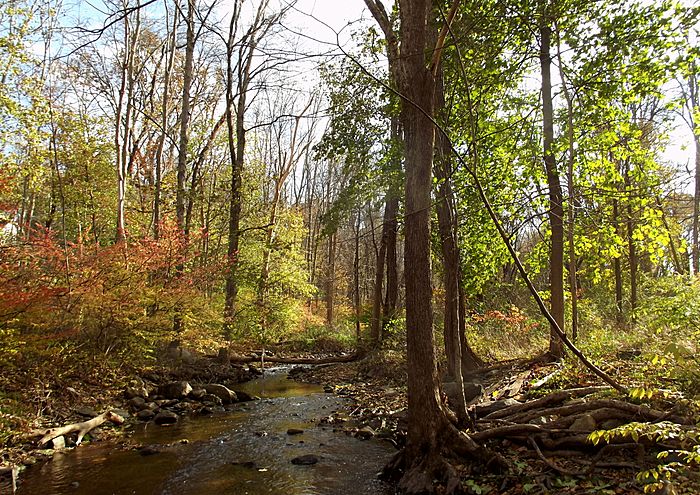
(488, 213)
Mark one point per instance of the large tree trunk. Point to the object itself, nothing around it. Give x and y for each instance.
(694, 114)
(387, 256)
(376, 326)
(390, 232)
(570, 185)
(356, 279)
(184, 141)
(123, 118)
(185, 119)
(426, 417)
(455, 340)
(556, 210)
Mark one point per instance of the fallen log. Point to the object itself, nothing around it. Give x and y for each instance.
(82, 428)
(281, 360)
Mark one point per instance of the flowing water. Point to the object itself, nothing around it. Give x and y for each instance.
(245, 451)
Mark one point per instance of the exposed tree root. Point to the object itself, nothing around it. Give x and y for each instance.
(436, 464)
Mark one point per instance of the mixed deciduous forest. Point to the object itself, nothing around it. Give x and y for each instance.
(482, 217)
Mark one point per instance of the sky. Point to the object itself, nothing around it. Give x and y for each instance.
(321, 24)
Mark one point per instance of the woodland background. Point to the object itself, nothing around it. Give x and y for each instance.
(192, 171)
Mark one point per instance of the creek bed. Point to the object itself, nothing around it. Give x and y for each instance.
(244, 451)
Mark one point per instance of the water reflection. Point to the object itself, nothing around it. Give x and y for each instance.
(246, 451)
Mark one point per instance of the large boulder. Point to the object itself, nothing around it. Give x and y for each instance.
(224, 393)
(472, 391)
(165, 418)
(175, 390)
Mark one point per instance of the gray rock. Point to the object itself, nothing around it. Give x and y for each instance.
(224, 393)
(198, 393)
(365, 433)
(136, 391)
(245, 396)
(206, 410)
(175, 390)
(145, 414)
(294, 431)
(305, 460)
(211, 400)
(87, 412)
(254, 370)
(165, 418)
(584, 423)
(137, 403)
(486, 408)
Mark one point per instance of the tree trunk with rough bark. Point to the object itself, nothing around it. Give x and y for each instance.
(556, 210)
(460, 357)
(431, 436)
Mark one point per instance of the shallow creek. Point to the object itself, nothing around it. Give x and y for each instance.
(244, 451)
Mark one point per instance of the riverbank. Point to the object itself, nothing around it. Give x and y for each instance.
(183, 383)
(540, 418)
(284, 443)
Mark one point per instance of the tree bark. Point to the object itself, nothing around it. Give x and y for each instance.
(356, 279)
(572, 203)
(454, 339)
(185, 118)
(236, 140)
(617, 265)
(170, 47)
(632, 247)
(694, 111)
(556, 210)
(330, 279)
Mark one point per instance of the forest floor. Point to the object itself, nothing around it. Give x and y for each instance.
(562, 461)
(547, 414)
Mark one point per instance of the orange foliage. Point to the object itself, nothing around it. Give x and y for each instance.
(104, 294)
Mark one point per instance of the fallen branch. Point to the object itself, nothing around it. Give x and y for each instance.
(82, 428)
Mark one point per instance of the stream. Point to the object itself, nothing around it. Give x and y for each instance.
(244, 451)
